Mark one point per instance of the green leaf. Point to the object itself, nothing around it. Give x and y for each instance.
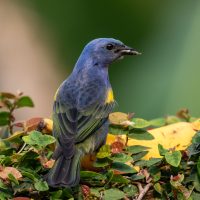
(2, 185)
(121, 157)
(29, 155)
(117, 178)
(24, 101)
(15, 135)
(140, 163)
(148, 163)
(138, 156)
(5, 195)
(109, 176)
(155, 173)
(195, 196)
(136, 177)
(30, 175)
(122, 167)
(173, 158)
(136, 149)
(4, 118)
(197, 185)
(67, 194)
(140, 134)
(101, 163)
(5, 160)
(4, 145)
(193, 149)
(92, 175)
(157, 122)
(153, 161)
(172, 119)
(56, 195)
(162, 150)
(130, 190)
(95, 191)
(113, 194)
(158, 188)
(140, 123)
(38, 139)
(198, 167)
(104, 152)
(196, 138)
(117, 130)
(193, 177)
(13, 179)
(41, 186)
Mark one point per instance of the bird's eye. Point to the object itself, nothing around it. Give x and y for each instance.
(110, 46)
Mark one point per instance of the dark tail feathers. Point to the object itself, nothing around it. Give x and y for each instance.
(65, 172)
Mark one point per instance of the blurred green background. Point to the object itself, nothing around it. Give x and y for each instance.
(161, 81)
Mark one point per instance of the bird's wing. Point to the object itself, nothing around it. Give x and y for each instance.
(64, 129)
(73, 125)
(89, 122)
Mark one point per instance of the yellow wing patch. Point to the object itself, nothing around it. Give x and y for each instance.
(110, 96)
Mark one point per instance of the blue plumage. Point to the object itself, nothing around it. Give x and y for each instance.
(81, 108)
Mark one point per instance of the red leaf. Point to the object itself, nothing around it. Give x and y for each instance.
(118, 145)
(33, 123)
(175, 178)
(85, 190)
(19, 124)
(49, 164)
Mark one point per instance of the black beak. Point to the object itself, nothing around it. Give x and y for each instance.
(125, 50)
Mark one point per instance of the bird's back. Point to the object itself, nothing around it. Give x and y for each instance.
(84, 90)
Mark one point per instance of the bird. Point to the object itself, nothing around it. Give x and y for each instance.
(81, 108)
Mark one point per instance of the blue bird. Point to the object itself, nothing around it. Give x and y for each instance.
(81, 107)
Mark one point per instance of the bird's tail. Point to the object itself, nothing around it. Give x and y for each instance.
(65, 172)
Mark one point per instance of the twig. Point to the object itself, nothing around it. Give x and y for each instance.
(22, 148)
(139, 186)
(126, 142)
(190, 192)
(144, 191)
(167, 197)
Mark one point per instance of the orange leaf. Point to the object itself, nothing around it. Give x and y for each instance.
(10, 170)
(118, 145)
(49, 164)
(32, 124)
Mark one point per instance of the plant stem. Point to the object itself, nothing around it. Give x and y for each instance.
(126, 142)
(22, 148)
(144, 191)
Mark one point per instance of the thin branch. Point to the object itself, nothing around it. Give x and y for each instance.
(22, 148)
(144, 191)
(139, 185)
(189, 194)
(126, 142)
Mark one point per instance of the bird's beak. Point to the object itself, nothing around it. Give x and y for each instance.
(128, 51)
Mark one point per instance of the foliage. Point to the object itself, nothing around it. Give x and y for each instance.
(120, 172)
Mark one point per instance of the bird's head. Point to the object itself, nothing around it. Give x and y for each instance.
(107, 50)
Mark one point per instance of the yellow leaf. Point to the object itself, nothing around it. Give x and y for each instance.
(178, 135)
(117, 118)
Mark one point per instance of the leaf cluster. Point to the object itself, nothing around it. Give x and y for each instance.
(119, 171)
